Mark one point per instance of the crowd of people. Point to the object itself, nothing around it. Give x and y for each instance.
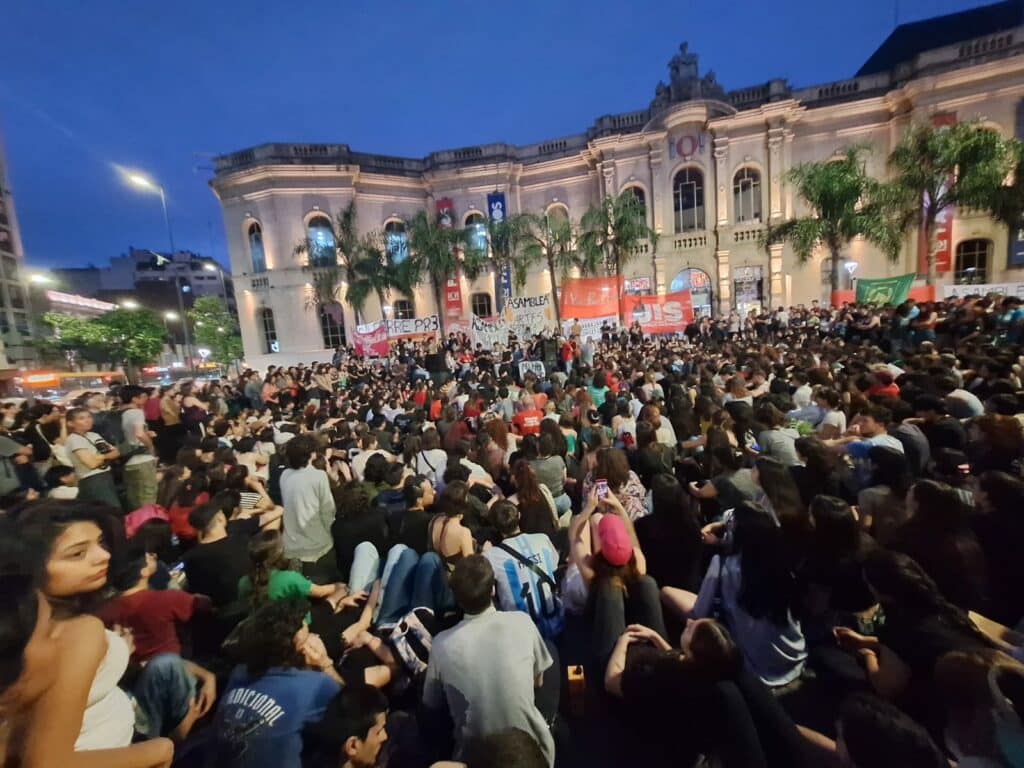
(784, 539)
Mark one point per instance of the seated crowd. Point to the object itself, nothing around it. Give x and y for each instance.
(781, 542)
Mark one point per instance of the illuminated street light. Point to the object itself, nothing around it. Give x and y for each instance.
(209, 267)
(171, 315)
(39, 279)
(130, 304)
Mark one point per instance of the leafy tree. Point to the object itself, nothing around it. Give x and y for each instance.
(215, 329)
(934, 168)
(438, 253)
(1006, 202)
(845, 203)
(549, 241)
(613, 231)
(505, 239)
(131, 337)
(373, 271)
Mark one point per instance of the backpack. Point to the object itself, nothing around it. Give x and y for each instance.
(411, 638)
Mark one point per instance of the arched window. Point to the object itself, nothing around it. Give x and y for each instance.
(698, 283)
(476, 229)
(322, 251)
(332, 327)
(269, 330)
(256, 252)
(395, 241)
(688, 199)
(641, 198)
(557, 212)
(481, 303)
(972, 262)
(746, 195)
(403, 310)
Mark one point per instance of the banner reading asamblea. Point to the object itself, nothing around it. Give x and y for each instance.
(528, 315)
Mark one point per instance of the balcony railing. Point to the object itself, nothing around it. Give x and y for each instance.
(685, 242)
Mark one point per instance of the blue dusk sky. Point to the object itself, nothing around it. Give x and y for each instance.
(164, 87)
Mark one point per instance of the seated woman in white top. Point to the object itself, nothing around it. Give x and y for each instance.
(64, 708)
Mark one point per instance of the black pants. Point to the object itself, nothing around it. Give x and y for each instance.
(614, 609)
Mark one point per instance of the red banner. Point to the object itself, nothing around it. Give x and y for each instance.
(665, 313)
(452, 297)
(371, 340)
(585, 297)
(446, 212)
(943, 251)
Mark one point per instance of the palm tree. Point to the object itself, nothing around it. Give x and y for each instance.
(614, 229)
(505, 239)
(1006, 203)
(329, 270)
(549, 240)
(372, 272)
(845, 203)
(935, 168)
(439, 253)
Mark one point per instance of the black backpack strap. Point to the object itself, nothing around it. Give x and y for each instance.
(541, 573)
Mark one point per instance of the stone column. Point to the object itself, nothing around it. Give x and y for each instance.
(722, 184)
(775, 173)
(775, 275)
(724, 283)
(608, 177)
(787, 163)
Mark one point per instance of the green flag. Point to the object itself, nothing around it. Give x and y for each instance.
(887, 290)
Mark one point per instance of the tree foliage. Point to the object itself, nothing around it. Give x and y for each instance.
(845, 203)
(127, 336)
(934, 168)
(550, 241)
(612, 232)
(215, 329)
(437, 253)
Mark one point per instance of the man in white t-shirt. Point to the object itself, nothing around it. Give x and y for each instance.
(368, 444)
(140, 469)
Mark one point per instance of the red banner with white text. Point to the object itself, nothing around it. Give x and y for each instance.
(371, 340)
(453, 297)
(586, 297)
(665, 313)
(943, 242)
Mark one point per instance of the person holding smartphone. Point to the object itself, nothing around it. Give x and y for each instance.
(91, 457)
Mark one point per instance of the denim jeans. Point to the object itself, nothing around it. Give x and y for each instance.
(163, 691)
(365, 568)
(413, 581)
(563, 503)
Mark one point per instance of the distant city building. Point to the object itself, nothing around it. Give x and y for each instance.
(76, 305)
(710, 166)
(15, 308)
(138, 269)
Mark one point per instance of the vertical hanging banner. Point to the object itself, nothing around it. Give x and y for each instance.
(942, 253)
(453, 286)
(446, 213)
(453, 298)
(497, 212)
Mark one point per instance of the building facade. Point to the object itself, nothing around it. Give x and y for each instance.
(15, 307)
(710, 166)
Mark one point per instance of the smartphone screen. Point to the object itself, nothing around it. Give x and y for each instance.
(601, 485)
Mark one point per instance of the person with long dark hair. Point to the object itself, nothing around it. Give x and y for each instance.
(882, 503)
(670, 536)
(939, 537)
(538, 513)
(753, 590)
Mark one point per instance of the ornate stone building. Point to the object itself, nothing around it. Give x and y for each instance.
(709, 164)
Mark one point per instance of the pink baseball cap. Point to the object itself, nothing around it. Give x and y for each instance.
(616, 547)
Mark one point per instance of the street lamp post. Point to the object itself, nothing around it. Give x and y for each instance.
(147, 184)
